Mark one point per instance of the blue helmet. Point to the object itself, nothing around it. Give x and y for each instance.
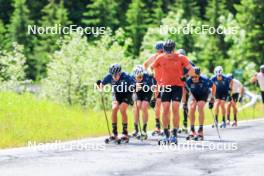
(169, 46)
(114, 69)
(159, 45)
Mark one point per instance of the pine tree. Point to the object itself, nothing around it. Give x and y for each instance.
(189, 7)
(102, 13)
(137, 24)
(54, 14)
(250, 17)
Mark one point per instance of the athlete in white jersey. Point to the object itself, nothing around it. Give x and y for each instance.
(234, 95)
(259, 78)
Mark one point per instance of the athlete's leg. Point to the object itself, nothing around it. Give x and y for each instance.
(201, 105)
(223, 109)
(123, 109)
(217, 105)
(144, 108)
(234, 105)
(192, 114)
(157, 112)
(165, 117)
(115, 107)
(228, 110)
(136, 113)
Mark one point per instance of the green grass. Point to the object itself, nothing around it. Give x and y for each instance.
(26, 118)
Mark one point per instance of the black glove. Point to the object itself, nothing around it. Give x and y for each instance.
(98, 82)
(183, 78)
(211, 105)
(152, 103)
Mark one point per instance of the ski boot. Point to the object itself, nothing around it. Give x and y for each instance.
(124, 139)
(228, 123)
(112, 139)
(135, 134)
(234, 124)
(199, 136)
(144, 136)
(191, 135)
(173, 140)
(185, 130)
(164, 141)
(223, 125)
(157, 132)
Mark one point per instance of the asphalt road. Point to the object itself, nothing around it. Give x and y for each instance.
(241, 152)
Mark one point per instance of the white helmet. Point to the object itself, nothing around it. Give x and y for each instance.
(138, 70)
(218, 70)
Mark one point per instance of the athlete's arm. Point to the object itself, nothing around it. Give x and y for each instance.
(213, 90)
(148, 62)
(186, 63)
(231, 86)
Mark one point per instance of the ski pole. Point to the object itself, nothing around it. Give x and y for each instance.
(216, 125)
(106, 119)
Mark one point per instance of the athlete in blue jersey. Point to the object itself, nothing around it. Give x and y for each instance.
(143, 94)
(200, 88)
(223, 85)
(121, 84)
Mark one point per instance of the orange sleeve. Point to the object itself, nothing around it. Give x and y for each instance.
(185, 61)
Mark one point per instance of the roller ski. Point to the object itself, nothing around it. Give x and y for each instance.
(234, 124)
(228, 123)
(223, 125)
(199, 137)
(191, 136)
(124, 139)
(113, 140)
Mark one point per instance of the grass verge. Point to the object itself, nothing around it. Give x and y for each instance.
(25, 118)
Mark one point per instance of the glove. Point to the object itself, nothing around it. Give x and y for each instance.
(183, 78)
(152, 103)
(211, 103)
(98, 82)
(185, 106)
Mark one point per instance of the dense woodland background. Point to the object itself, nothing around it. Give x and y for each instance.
(66, 66)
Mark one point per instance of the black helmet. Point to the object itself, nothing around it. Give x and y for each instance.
(114, 69)
(262, 68)
(169, 46)
(197, 70)
(182, 51)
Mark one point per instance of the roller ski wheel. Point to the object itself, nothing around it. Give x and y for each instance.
(234, 124)
(144, 136)
(179, 131)
(214, 125)
(124, 139)
(223, 125)
(112, 139)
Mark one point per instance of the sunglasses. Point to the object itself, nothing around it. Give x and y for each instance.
(195, 77)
